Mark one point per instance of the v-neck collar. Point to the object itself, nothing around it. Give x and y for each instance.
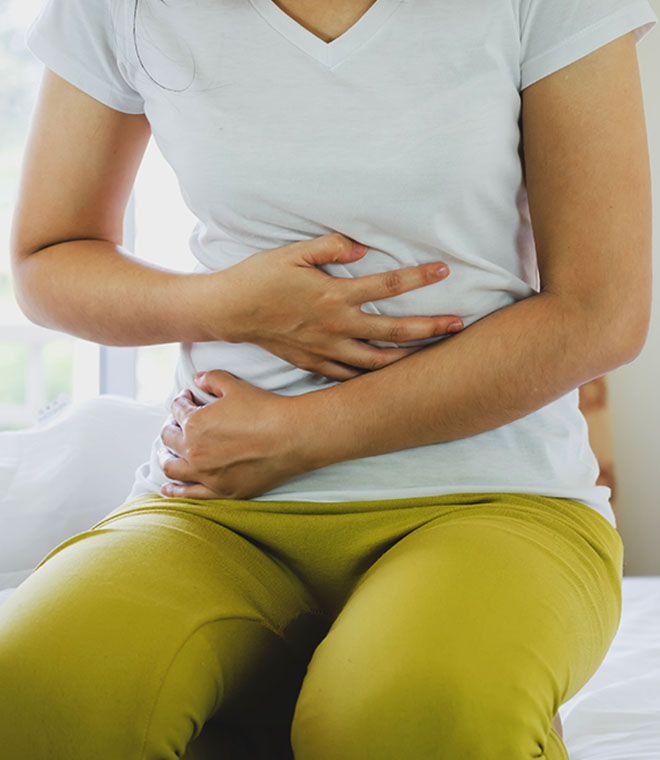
(327, 53)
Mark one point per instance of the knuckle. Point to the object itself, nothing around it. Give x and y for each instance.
(332, 295)
(176, 401)
(430, 274)
(392, 281)
(339, 240)
(194, 453)
(376, 362)
(333, 371)
(320, 368)
(168, 466)
(306, 362)
(327, 299)
(226, 491)
(430, 328)
(191, 424)
(167, 430)
(398, 333)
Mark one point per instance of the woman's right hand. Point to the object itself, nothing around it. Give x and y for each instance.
(281, 302)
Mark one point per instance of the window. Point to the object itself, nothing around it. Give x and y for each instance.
(39, 366)
(162, 227)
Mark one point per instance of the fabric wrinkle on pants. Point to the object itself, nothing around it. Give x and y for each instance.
(445, 627)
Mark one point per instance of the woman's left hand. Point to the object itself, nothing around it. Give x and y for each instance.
(237, 447)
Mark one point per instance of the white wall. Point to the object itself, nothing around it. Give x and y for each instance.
(635, 387)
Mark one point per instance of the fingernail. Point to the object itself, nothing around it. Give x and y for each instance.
(441, 269)
(454, 327)
(199, 376)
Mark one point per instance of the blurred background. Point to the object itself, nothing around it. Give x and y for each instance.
(42, 370)
(37, 365)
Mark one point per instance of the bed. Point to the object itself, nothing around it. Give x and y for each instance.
(66, 472)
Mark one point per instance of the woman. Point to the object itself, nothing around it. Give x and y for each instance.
(354, 537)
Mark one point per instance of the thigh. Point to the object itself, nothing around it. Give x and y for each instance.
(466, 636)
(129, 637)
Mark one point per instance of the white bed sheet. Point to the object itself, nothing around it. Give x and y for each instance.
(616, 715)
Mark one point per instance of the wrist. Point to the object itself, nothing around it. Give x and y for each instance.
(316, 435)
(210, 300)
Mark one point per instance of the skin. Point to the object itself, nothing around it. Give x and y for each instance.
(327, 20)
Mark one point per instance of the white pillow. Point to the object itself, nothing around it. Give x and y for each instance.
(61, 477)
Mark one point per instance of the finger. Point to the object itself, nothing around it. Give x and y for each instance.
(373, 287)
(367, 358)
(401, 329)
(183, 406)
(176, 468)
(197, 491)
(172, 436)
(337, 370)
(380, 358)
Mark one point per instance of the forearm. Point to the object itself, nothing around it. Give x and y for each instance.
(503, 367)
(98, 291)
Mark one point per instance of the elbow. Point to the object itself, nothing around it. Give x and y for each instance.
(27, 309)
(22, 293)
(615, 333)
(635, 336)
(17, 270)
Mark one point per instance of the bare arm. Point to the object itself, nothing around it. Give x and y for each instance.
(69, 268)
(72, 274)
(588, 182)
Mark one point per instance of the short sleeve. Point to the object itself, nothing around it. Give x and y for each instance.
(76, 39)
(554, 33)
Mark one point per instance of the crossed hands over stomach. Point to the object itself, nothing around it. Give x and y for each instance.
(251, 440)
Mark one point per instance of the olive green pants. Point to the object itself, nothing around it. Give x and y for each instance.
(443, 627)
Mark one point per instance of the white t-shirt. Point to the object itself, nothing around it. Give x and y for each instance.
(403, 134)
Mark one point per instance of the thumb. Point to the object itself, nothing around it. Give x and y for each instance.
(328, 248)
(214, 381)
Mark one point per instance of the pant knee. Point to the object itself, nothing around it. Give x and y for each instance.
(48, 709)
(61, 698)
(421, 720)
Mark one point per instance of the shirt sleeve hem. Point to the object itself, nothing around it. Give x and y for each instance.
(54, 58)
(637, 16)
